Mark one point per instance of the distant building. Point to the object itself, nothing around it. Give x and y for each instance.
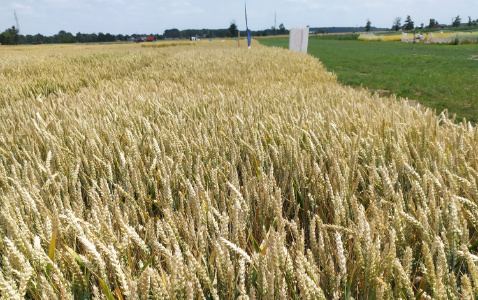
(150, 38)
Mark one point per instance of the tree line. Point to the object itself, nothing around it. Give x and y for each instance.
(409, 24)
(232, 31)
(11, 36)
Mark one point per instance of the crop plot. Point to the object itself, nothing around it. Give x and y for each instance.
(211, 171)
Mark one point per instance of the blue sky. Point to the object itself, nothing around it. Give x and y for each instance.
(154, 16)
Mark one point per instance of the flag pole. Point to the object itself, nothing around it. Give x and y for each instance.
(248, 33)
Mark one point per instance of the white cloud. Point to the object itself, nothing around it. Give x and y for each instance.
(22, 8)
(373, 4)
(181, 8)
(112, 2)
(180, 3)
(342, 7)
(315, 6)
(56, 2)
(188, 11)
(299, 1)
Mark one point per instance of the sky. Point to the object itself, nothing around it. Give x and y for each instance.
(48, 17)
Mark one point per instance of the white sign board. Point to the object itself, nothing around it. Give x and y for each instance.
(299, 39)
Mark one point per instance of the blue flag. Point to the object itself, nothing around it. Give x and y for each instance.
(248, 38)
(247, 28)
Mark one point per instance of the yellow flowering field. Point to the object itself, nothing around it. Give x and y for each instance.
(384, 38)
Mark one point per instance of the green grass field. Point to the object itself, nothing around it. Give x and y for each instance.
(438, 76)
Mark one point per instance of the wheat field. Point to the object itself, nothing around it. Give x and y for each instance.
(383, 38)
(208, 171)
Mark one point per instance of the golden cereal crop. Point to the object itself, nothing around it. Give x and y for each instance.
(211, 171)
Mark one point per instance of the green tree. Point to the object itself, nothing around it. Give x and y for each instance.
(456, 22)
(15, 34)
(29, 39)
(470, 22)
(101, 37)
(409, 25)
(432, 23)
(64, 37)
(110, 38)
(397, 23)
(368, 25)
(79, 37)
(233, 29)
(6, 38)
(281, 28)
(9, 36)
(172, 33)
(93, 37)
(39, 38)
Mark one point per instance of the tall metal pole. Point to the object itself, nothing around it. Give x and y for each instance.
(16, 20)
(275, 23)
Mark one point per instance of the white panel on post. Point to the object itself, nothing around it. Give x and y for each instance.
(299, 39)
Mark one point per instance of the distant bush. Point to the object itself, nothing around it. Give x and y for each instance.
(465, 41)
(455, 41)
